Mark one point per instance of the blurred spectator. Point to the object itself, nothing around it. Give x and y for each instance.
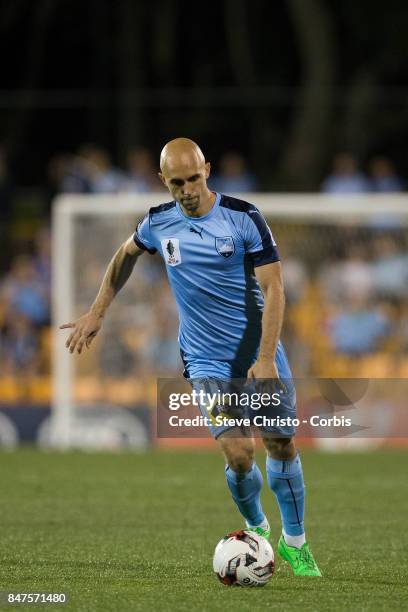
(384, 178)
(116, 358)
(163, 351)
(345, 276)
(390, 268)
(142, 174)
(19, 346)
(70, 174)
(345, 177)
(359, 327)
(104, 178)
(402, 328)
(90, 171)
(234, 177)
(356, 271)
(295, 278)
(24, 292)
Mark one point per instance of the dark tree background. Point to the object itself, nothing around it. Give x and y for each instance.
(288, 83)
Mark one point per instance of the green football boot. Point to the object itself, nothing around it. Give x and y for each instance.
(301, 559)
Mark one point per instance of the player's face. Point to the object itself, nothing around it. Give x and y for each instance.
(188, 184)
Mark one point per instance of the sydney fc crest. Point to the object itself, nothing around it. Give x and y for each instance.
(171, 251)
(225, 246)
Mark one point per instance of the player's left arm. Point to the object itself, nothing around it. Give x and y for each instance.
(270, 280)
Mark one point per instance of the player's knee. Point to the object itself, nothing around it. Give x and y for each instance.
(241, 463)
(280, 448)
(239, 453)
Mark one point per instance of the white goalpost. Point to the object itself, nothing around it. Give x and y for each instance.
(87, 230)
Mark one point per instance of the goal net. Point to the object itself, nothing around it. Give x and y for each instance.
(345, 266)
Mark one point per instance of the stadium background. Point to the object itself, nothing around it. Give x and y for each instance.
(316, 104)
(298, 96)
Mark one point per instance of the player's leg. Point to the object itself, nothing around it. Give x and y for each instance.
(244, 478)
(285, 475)
(283, 465)
(285, 478)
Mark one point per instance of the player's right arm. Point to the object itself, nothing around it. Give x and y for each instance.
(120, 268)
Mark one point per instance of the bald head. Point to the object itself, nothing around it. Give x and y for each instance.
(180, 153)
(184, 172)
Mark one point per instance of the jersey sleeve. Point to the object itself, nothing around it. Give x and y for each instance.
(143, 237)
(259, 242)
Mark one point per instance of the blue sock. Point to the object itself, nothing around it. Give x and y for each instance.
(246, 493)
(285, 478)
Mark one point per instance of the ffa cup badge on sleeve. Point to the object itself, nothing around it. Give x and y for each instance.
(225, 246)
(171, 251)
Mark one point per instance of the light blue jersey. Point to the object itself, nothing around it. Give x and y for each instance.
(210, 263)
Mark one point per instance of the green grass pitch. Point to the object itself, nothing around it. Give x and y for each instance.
(137, 532)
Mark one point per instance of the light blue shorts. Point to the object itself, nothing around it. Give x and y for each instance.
(232, 402)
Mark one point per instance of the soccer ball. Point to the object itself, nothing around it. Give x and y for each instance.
(243, 558)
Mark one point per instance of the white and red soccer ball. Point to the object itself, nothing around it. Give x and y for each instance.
(244, 558)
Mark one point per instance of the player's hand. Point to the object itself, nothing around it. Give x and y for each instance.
(265, 373)
(84, 331)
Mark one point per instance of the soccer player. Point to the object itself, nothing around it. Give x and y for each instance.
(223, 267)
